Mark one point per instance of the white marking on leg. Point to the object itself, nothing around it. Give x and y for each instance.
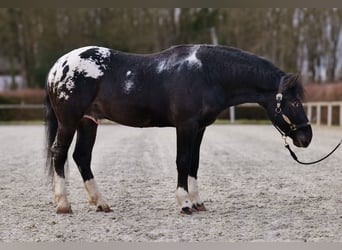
(94, 195)
(60, 194)
(183, 198)
(193, 191)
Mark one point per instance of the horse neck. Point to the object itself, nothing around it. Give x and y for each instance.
(251, 88)
(245, 77)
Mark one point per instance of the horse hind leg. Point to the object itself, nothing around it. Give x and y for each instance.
(59, 152)
(86, 135)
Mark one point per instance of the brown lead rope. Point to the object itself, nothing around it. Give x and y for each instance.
(294, 156)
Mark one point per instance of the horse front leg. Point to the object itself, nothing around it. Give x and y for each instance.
(197, 203)
(186, 136)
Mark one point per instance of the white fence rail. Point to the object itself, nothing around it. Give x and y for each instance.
(21, 106)
(318, 106)
(314, 117)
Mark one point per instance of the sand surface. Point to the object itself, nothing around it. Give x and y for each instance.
(251, 187)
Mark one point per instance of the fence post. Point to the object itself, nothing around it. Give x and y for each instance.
(309, 112)
(341, 114)
(232, 114)
(318, 111)
(329, 118)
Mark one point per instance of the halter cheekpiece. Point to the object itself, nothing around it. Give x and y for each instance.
(279, 113)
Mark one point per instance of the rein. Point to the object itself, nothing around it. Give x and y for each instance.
(293, 127)
(294, 156)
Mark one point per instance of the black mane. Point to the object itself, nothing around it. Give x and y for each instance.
(244, 66)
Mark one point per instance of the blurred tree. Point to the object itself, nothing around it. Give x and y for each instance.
(333, 35)
(9, 41)
(300, 39)
(194, 25)
(313, 33)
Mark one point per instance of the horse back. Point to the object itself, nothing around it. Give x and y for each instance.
(136, 90)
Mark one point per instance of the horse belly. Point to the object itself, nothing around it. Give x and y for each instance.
(137, 119)
(134, 116)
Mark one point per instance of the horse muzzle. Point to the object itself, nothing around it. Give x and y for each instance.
(302, 137)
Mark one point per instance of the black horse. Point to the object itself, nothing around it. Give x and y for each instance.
(185, 87)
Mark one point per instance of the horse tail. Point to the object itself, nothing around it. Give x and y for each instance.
(51, 126)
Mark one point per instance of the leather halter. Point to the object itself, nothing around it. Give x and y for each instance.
(279, 114)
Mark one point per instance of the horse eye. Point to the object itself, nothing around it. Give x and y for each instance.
(296, 104)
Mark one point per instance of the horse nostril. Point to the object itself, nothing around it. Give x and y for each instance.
(302, 140)
(306, 142)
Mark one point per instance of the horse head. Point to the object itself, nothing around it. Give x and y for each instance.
(287, 112)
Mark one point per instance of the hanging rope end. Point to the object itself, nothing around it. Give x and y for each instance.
(294, 156)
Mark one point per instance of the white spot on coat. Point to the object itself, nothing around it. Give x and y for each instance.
(192, 58)
(161, 66)
(57, 79)
(63, 95)
(173, 62)
(129, 85)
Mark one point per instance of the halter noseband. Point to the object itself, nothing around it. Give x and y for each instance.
(279, 113)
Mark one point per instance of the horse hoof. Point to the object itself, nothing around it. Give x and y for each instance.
(199, 207)
(102, 208)
(186, 210)
(64, 210)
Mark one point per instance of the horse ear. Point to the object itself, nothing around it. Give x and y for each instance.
(294, 79)
(291, 81)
